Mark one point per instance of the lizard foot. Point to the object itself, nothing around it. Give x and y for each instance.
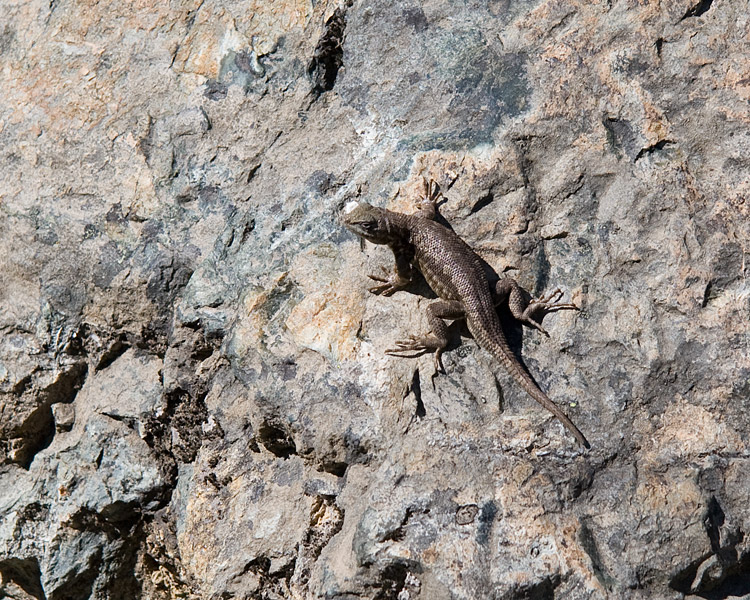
(417, 346)
(431, 193)
(539, 307)
(431, 196)
(388, 283)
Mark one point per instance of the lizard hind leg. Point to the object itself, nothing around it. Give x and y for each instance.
(539, 307)
(529, 312)
(437, 340)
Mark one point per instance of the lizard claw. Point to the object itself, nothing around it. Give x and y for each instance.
(388, 283)
(539, 307)
(551, 302)
(417, 346)
(552, 297)
(412, 344)
(383, 290)
(431, 193)
(383, 278)
(439, 368)
(532, 323)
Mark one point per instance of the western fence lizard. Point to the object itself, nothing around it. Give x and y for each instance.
(456, 274)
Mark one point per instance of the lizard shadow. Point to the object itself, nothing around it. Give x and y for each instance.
(457, 329)
(511, 328)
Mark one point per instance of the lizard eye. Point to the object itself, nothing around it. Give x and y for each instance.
(368, 226)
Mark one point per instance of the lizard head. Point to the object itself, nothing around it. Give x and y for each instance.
(367, 221)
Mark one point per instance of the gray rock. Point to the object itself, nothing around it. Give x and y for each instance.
(194, 394)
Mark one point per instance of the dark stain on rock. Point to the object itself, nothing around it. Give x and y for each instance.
(588, 543)
(414, 17)
(7, 39)
(215, 90)
(487, 515)
(110, 263)
(621, 136)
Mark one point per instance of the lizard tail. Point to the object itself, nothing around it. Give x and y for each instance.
(499, 348)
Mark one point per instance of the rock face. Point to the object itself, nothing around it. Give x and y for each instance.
(195, 400)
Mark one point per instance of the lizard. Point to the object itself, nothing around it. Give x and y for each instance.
(457, 276)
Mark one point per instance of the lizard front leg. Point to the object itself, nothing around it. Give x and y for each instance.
(431, 195)
(529, 312)
(401, 276)
(437, 339)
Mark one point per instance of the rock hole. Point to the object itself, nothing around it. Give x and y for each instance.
(659, 44)
(482, 202)
(117, 349)
(416, 387)
(328, 57)
(38, 430)
(660, 145)
(393, 581)
(277, 441)
(25, 574)
(698, 9)
(188, 414)
(337, 468)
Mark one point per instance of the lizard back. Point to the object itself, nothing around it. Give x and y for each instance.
(452, 269)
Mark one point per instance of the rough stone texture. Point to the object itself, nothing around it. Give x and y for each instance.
(195, 401)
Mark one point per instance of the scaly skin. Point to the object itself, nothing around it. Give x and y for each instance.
(455, 273)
